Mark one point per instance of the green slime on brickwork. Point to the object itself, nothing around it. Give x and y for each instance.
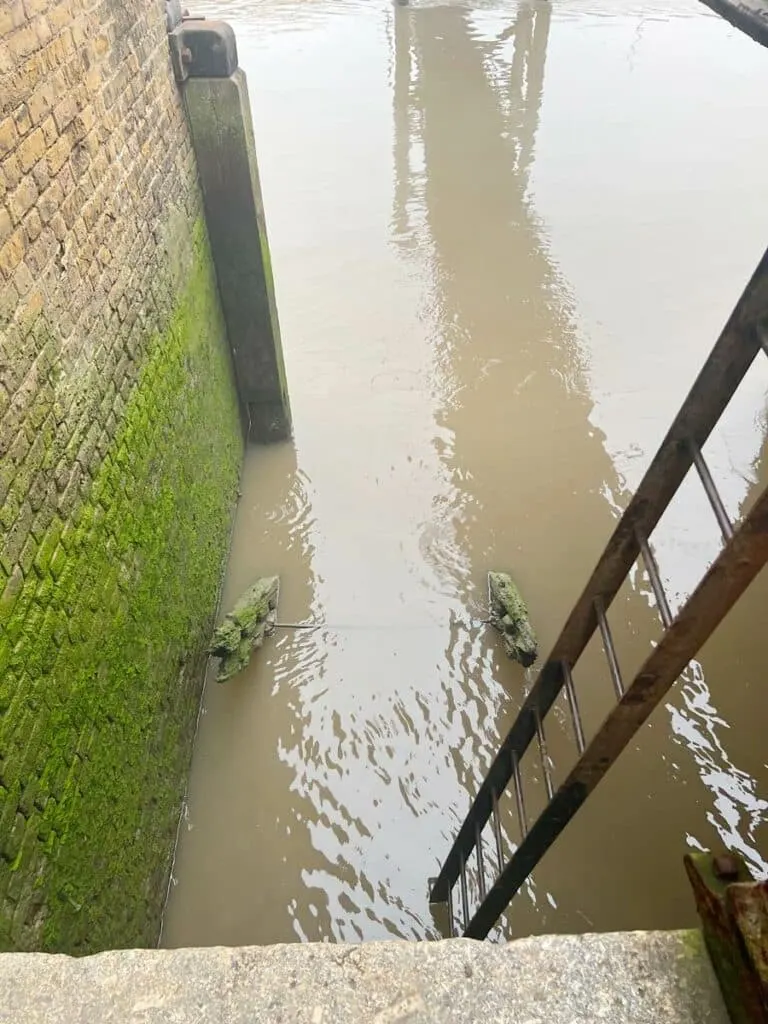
(103, 646)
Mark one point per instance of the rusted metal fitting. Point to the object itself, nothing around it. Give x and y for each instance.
(726, 867)
(734, 919)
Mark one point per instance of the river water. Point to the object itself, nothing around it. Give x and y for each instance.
(505, 236)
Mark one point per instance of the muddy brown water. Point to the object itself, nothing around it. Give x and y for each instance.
(504, 238)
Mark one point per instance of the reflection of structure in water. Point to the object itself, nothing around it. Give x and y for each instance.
(465, 131)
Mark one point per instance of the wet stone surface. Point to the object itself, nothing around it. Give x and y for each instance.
(592, 979)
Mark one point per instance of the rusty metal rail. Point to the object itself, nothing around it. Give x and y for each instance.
(751, 16)
(743, 555)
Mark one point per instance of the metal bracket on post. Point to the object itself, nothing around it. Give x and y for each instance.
(200, 48)
(734, 916)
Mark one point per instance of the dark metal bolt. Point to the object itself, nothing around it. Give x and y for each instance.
(726, 867)
(186, 55)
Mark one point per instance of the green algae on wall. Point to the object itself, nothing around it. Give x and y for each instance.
(102, 641)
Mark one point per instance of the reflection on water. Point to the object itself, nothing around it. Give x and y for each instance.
(479, 372)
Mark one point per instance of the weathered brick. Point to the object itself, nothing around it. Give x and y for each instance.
(93, 80)
(23, 42)
(22, 120)
(8, 136)
(10, 593)
(41, 251)
(40, 102)
(48, 128)
(31, 150)
(22, 199)
(65, 111)
(15, 538)
(45, 514)
(100, 45)
(30, 307)
(70, 208)
(38, 490)
(27, 556)
(58, 154)
(10, 843)
(69, 495)
(63, 47)
(80, 160)
(12, 171)
(48, 545)
(59, 227)
(84, 122)
(60, 15)
(5, 224)
(11, 253)
(41, 175)
(33, 7)
(42, 30)
(11, 506)
(32, 225)
(23, 280)
(11, 16)
(49, 201)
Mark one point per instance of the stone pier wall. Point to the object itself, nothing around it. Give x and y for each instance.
(119, 455)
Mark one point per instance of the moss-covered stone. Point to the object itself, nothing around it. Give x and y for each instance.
(509, 614)
(244, 628)
(104, 644)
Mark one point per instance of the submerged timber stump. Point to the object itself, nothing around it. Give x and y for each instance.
(509, 615)
(244, 628)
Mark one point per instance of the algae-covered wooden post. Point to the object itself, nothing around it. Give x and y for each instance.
(244, 628)
(204, 56)
(509, 615)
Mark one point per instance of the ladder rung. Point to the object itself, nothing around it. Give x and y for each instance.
(573, 704)
(464, 897)
(652, 568)
(480, 863)
(519, 800)
(544, 755)
(497, 831)
(726, 527)
(610, 650)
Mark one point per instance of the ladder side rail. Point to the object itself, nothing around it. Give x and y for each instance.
(728, 577)
(730, 359)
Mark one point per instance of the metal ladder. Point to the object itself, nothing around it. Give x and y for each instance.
(744, 552)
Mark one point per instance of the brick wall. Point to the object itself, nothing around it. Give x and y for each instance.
(119, 452)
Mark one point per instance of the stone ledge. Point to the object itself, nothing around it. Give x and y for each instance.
(637, 977)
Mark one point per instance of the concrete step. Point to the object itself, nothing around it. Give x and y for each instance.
(637, 977)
